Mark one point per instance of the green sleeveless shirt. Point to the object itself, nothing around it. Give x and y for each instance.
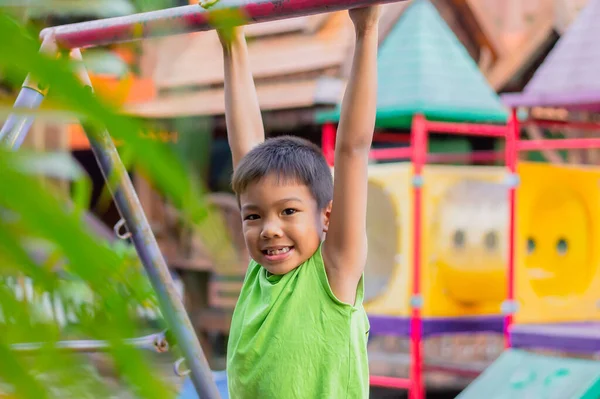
(292, 338)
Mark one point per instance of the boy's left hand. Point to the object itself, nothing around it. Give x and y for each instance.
(365, 18)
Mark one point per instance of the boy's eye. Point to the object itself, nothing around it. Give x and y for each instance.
(289, 211)
(251, 217)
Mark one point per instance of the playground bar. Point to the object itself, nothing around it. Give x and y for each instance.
(129, 207)
(390, 382)
(328, 142)
(511, 158)
(17, 125)
(557, 144)
(30, 97)
(466, 129)
(192, 18)
(381, 154)
(419, 133)
(475, 156)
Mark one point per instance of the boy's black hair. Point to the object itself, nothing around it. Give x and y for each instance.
(289, 158)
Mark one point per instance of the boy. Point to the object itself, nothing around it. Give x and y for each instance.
(299, 329)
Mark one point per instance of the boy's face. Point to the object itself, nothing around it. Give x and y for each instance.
(282, 224)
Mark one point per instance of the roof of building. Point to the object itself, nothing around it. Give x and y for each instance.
(569, 76)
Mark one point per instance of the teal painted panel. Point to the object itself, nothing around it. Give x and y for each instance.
(518, 374)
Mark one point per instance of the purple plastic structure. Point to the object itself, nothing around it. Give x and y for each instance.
(568, 337)
(569, 76)
(400, 326)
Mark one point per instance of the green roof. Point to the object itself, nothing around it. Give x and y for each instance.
(424, 68)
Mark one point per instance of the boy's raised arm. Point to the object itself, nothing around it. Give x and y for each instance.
(345, 247)
(242, 112)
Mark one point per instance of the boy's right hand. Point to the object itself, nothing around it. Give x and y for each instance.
(227, 31)
(365, 18)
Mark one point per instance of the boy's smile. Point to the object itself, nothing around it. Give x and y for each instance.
(281, 222)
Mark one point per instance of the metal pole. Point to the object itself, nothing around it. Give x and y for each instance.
(147, 248)
(511, 159)
(419, 148)
(192, 18)
(30, 97)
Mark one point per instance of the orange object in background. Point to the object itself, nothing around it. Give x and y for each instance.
(127, 90)
(116, 90)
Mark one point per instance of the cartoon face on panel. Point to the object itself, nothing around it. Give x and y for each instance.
(557, 248)
(470, 241)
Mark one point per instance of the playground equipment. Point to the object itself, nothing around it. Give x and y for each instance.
(568, 80)
(419, 322)
(558, 278)
(412, 314)
(464, 228)
(466, 236)
(133, 27)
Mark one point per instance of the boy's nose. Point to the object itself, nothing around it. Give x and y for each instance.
(271, 230)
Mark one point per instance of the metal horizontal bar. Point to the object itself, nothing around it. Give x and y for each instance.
(154, 342)
(467, 129)
(476, 156)
(390, 382)
(381, 154)
(192, 18)
(558, 144)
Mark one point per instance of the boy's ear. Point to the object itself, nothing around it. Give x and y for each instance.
(326, 215)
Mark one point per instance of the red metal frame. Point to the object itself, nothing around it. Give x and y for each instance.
(416, 151)
(511, 158)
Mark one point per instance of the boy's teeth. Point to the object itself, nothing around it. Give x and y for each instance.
(278, 251)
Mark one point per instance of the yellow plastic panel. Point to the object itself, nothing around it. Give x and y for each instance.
(464, 240)
(558, 221)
